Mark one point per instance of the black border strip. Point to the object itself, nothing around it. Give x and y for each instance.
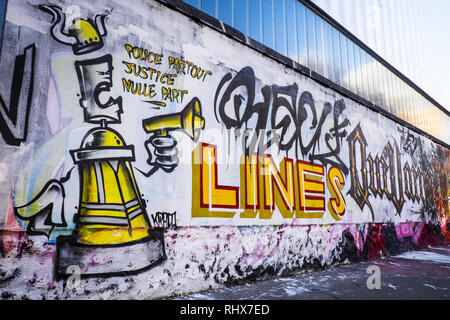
(175, 308)
(203, 18)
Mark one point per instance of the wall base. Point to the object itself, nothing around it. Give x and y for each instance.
(201, 258)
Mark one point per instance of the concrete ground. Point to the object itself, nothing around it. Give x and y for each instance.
(423, 274)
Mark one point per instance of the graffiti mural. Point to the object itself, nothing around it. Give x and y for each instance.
(286, 127)
(326, 159)
(14, 118)
(153, 156)
(84, 35)
(111, 218)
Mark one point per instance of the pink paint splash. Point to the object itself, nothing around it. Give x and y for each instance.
(12, 237)
(359, 235)
(405, 229)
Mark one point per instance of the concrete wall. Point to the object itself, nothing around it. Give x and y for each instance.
(144, 154)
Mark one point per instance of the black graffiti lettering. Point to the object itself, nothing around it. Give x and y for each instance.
(284, 109)
(414, 176)
(336, 135)
(413, 183)
(293, 121)
(393, 181)
(395, 175)
(235, 106)
(237, 115)
(421, 185)
(233, 118)
(378, 175)
(164, 219)
(252, 141)
(359, 189)
(370, 165)
(408, 182)
(384, 176)
(384, 169)
(14, 119)
(307, 99)
(392, 186)
(261, 109)
(408, 142)
(249, 141)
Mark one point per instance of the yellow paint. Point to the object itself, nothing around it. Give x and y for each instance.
(110, 235)
(111, 210)
(119, 189)
(278, 190)
(335, 184)
(311, 195)
(294, 189)
(86, 31)
(90, 188)
(212, 193)
(206, 196)
(249, 178)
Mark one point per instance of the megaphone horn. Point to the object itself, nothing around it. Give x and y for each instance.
(189, 120)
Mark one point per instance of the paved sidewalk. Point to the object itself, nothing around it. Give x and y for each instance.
(423, 274)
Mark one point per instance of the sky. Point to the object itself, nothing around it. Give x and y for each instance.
(412, 35)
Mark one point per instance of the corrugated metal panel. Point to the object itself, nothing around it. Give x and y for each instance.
(395, 30)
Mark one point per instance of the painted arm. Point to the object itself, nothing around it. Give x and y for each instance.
(166, 154)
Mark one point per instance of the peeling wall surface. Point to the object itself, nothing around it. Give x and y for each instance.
(144, 154)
